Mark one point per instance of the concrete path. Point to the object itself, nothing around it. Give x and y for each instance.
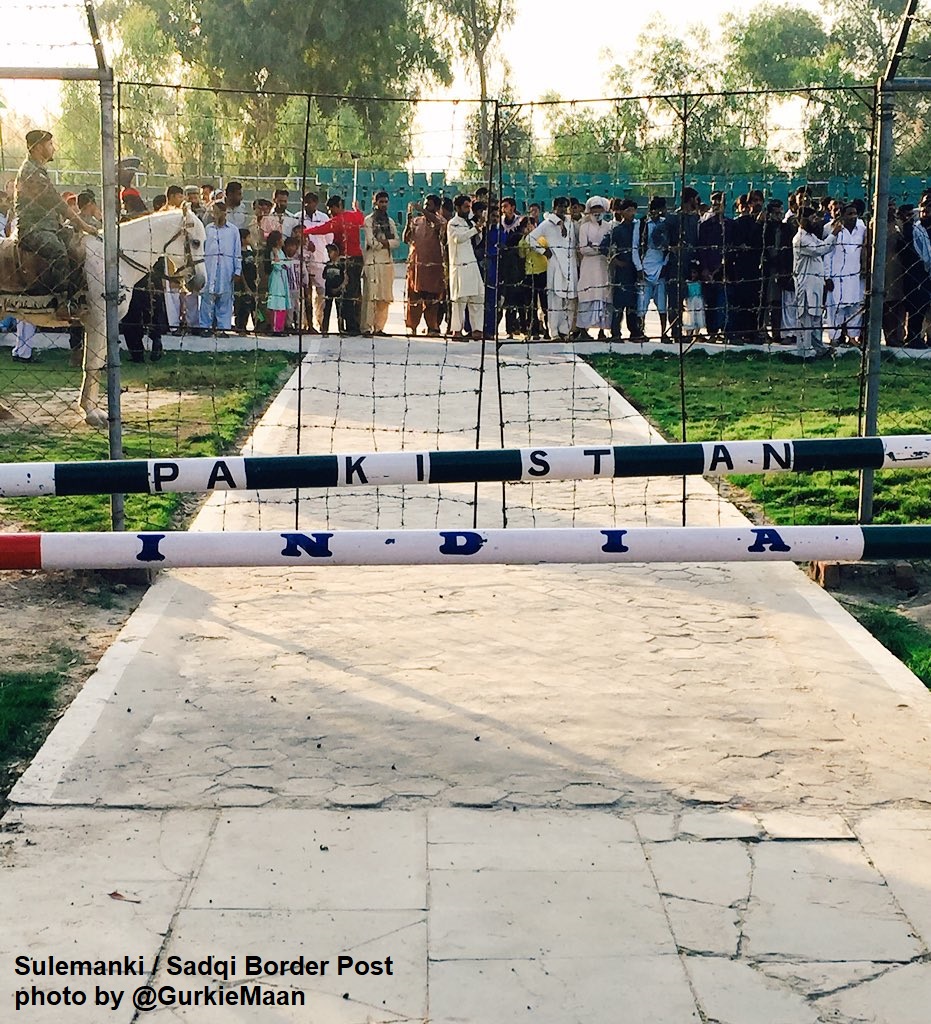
(638, 794)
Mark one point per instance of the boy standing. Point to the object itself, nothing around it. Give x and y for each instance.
(334, 282)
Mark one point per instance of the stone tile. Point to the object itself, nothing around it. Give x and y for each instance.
(818, 979)
(899, 844)
(491, 914)
(798, 825)
(273, 859)
(657, 828)
(703, 927)
(60, 867)
(476, 796)
(712, 872)
(900, 996)
(590, 796)
(822, 901)
(530, 840)
(418, 787)
(732, 992)
(318, 1008)
(722, 824)
(357, 796)
(596, 990)
(243, 796)
(315, 935)
(151, 845)
(314, 788)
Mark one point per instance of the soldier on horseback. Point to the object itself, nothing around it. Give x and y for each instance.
(39, 212)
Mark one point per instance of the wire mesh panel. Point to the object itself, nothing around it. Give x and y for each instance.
(330, 208)
(720, 280)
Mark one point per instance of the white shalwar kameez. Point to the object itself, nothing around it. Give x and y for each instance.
(844, 305)
(595, 309)
(808, 252)
(562, 271)
(377, 274)
(25, 332)
(315, 259)
(466, 288)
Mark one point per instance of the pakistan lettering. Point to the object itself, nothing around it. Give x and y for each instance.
(166, 472)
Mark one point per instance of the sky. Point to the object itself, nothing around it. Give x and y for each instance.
(542, 59)
(543, 56)
(553, 45)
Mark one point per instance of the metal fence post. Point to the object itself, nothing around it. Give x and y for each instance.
(880, 235)
(111, 253)
(111, 279)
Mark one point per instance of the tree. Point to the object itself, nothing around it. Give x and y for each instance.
(475, 24)
(263, 50)
(778, 47)
(864, 31)
(781, 47)
(77, 130)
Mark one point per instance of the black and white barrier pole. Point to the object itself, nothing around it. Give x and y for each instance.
(293, 548)
(379, 469)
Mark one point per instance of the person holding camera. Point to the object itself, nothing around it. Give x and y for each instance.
(809, 247)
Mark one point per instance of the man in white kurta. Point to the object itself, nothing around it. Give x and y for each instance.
(315, 259)
(557, 238)
(595, 309)
(808, 252)
(222, 263)
(466, 288)
(843, 302)
(379, 240)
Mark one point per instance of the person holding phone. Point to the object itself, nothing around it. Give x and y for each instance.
(813, 241)
(425, 233)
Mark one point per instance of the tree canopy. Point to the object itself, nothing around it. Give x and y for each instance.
(335, 62)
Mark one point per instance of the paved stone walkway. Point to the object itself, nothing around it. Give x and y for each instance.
(555, 794)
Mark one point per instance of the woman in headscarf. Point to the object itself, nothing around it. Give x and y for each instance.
(594, 281)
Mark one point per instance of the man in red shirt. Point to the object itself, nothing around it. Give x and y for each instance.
(345, 227)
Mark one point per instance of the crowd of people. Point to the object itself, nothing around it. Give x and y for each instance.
(478, 267)
(764, 272)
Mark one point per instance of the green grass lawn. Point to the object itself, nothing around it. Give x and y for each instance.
(759, 395)
(26, 698)
(907, 640)
(189, 404)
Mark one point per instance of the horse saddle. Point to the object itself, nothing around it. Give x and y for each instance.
(23, 272)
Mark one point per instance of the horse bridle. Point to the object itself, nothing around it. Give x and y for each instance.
(191, 262)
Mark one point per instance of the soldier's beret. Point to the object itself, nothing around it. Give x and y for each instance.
(36, 136)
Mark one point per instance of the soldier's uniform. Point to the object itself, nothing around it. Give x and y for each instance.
(39, 211)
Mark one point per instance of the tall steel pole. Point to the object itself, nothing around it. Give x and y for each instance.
(111, 284)
(111, 256)
(885, 111)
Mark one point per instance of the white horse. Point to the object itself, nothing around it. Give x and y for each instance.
(176, 234)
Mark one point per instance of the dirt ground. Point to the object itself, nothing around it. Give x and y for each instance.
(61, 407)
(64, 619)
(51, 619)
